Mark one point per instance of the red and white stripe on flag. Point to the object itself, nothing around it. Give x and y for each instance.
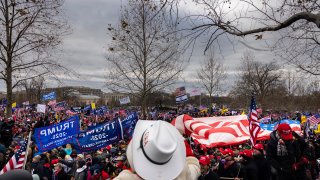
(254, 126)
(17, 160)
(218, 131)
(313, 120)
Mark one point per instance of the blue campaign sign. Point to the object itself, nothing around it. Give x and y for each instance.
(99, 137)
(57, 135)
(129, 124)
(106, 134)
(50, 96)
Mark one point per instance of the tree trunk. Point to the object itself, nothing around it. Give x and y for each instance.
(9, 93)
(144, 107)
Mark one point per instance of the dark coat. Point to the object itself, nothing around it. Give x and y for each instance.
(263, 167)
(283, 164)
(251, 169)
(234, 170)
(62, 175)
(44, 171)
(210, 176)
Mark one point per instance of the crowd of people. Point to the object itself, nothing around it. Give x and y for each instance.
(158, 151)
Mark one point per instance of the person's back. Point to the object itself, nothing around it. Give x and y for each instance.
(157, 151)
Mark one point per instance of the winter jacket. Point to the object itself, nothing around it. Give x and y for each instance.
(283, 163)
(191, 171)
(44, 171)
(209, 176)
(70, 166)
(263, 166)
(81, 173)
(61, 175)
(233, 171)
(251, 170)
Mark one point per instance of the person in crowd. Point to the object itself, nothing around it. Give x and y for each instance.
(206, 171)
(43, 168)
(6, 134)
(231, 168)
(157, 151)
(81, 171)
(59, 173)
(285, 153)
(261, 163)
(249, 165)
(71, 164)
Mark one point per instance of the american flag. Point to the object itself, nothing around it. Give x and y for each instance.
(254, 127)
(17, 160)
(217, 131)
(314, 119)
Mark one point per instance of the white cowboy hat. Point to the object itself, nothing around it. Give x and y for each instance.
(157, 150)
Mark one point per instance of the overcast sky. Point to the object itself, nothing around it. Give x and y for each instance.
(85, 48)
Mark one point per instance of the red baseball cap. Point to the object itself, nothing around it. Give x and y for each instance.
(204, 160)
(227, 152)
(258, 146)
(247, 153)
(285, 131)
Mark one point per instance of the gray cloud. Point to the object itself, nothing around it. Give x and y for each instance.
(85, 49)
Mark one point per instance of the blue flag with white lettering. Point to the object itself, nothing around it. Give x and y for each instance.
(128, 125)
(99, 137)
(57, 135)
(49, 96)
(106, 134)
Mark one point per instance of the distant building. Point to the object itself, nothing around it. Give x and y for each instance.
(81, 90)
(110, 98)
(88, 99)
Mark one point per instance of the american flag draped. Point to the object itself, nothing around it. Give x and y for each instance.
(217, 131)
(254, 127)
(18, 159)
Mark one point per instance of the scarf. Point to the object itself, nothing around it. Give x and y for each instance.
(81, 169)
(281, 147)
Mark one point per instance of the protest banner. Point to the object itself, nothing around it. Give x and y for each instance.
(195, 92)
(105, 134)
(49, 96)
(98, 137)
(128, 125)
(41, 108)
(57, 135)
(52, 103)
(181, 95)
(125, 100)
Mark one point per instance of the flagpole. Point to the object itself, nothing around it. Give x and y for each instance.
(27, 151)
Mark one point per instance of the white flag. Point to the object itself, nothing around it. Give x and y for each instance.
(195, 92)
(125, 100)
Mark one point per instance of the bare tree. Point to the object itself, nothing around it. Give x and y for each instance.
(295, 22)
(256, 77)
(291, 80)
(145, 52)
(34, 88)
(211, 74)
(31, 32)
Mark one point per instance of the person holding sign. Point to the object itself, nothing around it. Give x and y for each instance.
(157, 151)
